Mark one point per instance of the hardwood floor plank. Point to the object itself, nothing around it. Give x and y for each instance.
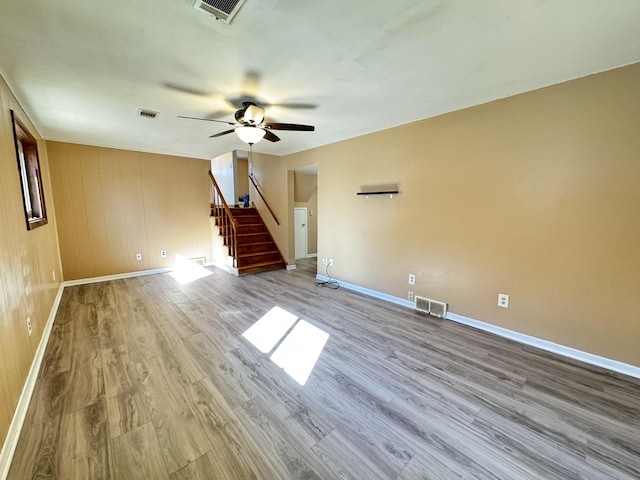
(202, 468)
(127, 410)
(84, 444)
(86, 385)
(180, 437)
(355, 413)
(37, 455)
(456, 442)
(228, 376)
(49, 398)
(346, 460)
(57, 357)
(297, 461)
(143, 343)
(431, 466)
(215, 416)
(137, 455)
(531, 446)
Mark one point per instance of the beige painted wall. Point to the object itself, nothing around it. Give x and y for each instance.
(536, 196)
(277, 188)
(306, 195)
(241, 173)
(113, 204)
(27, 262)
(222, 168)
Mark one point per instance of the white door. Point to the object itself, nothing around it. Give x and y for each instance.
(300, 222)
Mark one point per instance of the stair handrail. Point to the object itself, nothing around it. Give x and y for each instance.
(264, 199)
(228, 220)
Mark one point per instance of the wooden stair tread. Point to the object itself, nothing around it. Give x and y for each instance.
(260, 267)
(255, 254)
(263, 264)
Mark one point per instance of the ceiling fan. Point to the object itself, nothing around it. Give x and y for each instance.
(250, 126)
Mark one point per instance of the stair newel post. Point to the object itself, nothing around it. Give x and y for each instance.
(235, 243)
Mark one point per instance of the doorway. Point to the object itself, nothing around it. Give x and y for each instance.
(300, 232)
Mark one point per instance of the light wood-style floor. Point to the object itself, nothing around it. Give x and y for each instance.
(146, 378)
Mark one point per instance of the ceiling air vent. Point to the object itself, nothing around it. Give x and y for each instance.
(144, 113)
(223, 10)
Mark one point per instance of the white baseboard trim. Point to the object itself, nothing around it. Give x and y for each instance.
(118, 276)
(291, 266)
(369, 292)
(568, 352)
(15, 428)
(312, 255)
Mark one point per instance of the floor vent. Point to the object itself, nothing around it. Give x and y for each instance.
(223, 10)
(199, 260)
(431, 307)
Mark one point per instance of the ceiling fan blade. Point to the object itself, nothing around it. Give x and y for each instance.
(251, 83)
(226, 132)
(272, 137)
(186, 89)
(207, 120)
(293, 106)
(290, 126)
(218, 114)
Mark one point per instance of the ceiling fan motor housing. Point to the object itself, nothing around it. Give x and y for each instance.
(251, 114)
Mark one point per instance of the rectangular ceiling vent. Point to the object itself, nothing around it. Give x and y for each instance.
(223, 10)
(431, 307)
(144, 113)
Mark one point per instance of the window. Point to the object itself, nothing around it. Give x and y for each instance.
(30, 180)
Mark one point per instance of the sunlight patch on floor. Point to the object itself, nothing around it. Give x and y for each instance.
(185, 271)
(298, 348)
(267, 332)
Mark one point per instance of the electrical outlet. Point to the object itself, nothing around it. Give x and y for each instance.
(29, 328)
(412, 279)
(138, 256)
(410, 296)
(331, 262)
(324, 260)
(163, 253)
(503, 300)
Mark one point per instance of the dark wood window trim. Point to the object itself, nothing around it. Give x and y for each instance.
(35, 212)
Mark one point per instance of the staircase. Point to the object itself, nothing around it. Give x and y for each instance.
(254, 250)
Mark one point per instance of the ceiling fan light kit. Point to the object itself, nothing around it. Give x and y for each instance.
(250, 126)
(253, 114)
(250, 135)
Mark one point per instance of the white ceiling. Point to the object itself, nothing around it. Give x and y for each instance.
(83, 68)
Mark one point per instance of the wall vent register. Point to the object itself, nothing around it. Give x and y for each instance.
(431, 307)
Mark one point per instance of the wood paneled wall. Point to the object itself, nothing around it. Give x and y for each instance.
(28, 260)
(113, 204)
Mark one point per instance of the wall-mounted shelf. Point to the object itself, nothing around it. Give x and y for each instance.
(390, 189)
(388, 192)
(391, 193)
